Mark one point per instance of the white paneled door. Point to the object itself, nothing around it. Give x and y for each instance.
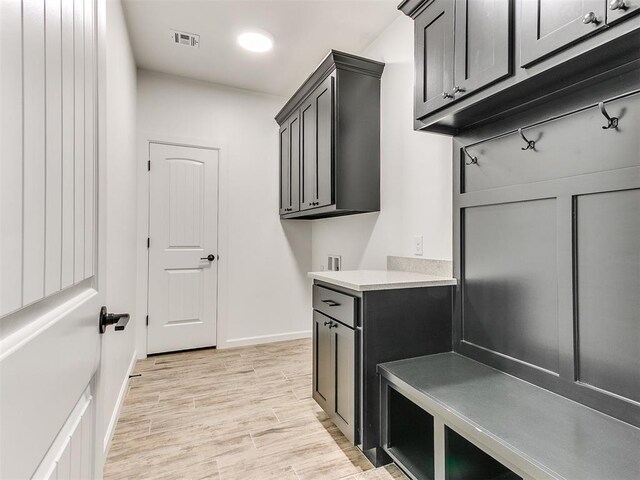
(51, 255)
(183, 242)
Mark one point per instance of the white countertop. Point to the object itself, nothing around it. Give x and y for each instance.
(366, 280)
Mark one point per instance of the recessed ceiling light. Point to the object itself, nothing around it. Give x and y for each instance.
(256, 41)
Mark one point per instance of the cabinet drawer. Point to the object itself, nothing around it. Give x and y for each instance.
(336, 305)
(573, 145)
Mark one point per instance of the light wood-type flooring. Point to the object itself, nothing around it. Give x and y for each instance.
(242, 413)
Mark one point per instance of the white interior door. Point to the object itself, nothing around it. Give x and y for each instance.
(183, 232)
(51, 251)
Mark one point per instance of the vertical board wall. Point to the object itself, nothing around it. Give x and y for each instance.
(48, 148)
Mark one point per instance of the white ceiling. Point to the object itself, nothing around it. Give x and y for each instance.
(303, 31)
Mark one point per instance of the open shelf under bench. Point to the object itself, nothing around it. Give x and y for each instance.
(533, 432)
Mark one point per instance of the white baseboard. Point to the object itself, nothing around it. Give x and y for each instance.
(113, 421)
(279, 337)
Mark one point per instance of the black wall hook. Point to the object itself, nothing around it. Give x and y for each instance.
(474, 160)
(531, 144)
(612, 122)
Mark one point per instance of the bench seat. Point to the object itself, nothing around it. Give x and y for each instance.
(536, 433)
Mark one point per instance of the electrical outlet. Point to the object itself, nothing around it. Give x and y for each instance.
(417, 245)
(334, 263)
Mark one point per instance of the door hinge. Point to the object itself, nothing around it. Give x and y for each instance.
(148, 242)
(148, 165)
(147, 320)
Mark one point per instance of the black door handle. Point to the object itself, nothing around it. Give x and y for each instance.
(120, 320)
(209, 257)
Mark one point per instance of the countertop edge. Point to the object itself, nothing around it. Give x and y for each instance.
(443, 282)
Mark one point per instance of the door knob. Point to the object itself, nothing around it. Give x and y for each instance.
(617, 5)
(120, 320)
(209, 257)
(590, 17)
(458, 89)
(446, 95)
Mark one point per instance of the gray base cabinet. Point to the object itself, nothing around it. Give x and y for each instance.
(334, 360)
(330, 141)
(355, 331)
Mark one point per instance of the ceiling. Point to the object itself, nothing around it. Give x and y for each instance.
(303, 31)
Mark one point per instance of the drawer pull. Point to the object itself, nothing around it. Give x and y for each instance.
(612, 122)
(331, 303)
(327, 323)
(531, 144)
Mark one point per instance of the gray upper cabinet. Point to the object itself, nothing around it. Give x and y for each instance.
(482, 44)
(450, 66)
(289, 165)
(549, 25)
(335, 161)
(479, 61)
(434, 57)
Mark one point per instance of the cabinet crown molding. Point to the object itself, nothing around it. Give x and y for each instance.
(412, 8)
(334, 60)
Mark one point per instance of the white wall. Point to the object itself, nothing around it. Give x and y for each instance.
(416, 175)
(264, 294)
(119, 347)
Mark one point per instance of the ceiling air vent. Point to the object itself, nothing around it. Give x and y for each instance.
(183, 38)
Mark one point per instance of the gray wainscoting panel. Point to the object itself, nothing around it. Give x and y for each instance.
(607, 235)
(569, 146)
(511, 284)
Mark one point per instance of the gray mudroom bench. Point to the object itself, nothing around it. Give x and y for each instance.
(448, 416)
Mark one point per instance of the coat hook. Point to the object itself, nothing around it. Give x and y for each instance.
(474, 160)
(531, 144)
(612, 122)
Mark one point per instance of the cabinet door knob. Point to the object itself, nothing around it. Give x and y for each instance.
(458, 89)
(617, 5)
(446, 95)
(590, 17)
(327, 323)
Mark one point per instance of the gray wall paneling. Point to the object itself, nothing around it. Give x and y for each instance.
(603, 379)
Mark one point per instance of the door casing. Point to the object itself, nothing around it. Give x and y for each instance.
(144, 209)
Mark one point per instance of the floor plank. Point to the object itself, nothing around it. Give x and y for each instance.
(242, 413)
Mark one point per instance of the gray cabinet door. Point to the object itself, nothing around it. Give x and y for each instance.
(549, 25)
(308, 157)
(317, 147)
(323, 378)
(621, 9)
(294, 163)
(434, 55)
(285, 170)
(343, 364)
(482, 44)
(324, 98)
(290, 165)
